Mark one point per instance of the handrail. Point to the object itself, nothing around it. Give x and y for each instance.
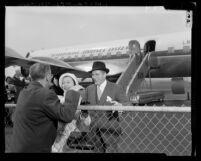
(130, 108)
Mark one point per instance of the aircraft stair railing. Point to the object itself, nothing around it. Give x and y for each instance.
(126, 76)
(138, 76)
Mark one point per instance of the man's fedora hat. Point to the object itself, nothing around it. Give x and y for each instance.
(99, 66)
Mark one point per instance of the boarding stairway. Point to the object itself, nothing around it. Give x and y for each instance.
(136, 70)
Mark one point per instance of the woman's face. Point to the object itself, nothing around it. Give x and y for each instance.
(67, 83)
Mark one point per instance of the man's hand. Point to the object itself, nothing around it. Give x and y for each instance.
(115, 103)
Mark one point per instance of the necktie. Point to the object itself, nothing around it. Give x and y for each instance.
(99, 92)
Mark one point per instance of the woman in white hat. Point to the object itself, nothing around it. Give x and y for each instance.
(67, 81)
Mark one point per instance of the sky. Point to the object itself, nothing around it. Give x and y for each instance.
(31, 28)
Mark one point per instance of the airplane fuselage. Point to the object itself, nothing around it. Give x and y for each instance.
(171, 56)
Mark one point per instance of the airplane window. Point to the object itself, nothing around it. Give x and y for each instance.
(186, 49)
(121, 48)
(119, 53)
(171, 50)
(83, 55)
(99, 55)
(108, 54)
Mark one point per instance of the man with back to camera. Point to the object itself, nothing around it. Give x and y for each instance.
(105, 129)
(38, 111)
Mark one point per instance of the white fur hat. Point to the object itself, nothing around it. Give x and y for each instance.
(67, 75)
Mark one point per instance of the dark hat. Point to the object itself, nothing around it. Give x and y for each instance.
(99, 66)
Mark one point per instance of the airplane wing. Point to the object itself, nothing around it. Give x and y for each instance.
(60, 67)
(57, 66)
(13, 58)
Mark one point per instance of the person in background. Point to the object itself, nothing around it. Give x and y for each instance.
(38, 111)
(66, 82)
(18, 82)
(5, 93)
(26, 76)
(55, 85)
(9, 98)
(10, 90)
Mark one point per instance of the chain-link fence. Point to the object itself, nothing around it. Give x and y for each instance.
(136, 129)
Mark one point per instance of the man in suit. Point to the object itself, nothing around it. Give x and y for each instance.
(38, 111)
(105, 129)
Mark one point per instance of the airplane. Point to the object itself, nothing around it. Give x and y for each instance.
(170, 57)
(12, 58)
(171, 54)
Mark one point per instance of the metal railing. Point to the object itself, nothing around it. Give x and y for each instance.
(128, 129)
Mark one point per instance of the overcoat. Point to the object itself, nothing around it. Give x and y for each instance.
(37, 113)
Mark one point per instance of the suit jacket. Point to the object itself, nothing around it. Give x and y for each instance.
(35, 119)
(113, 90)
(106, 121)
(57, 89)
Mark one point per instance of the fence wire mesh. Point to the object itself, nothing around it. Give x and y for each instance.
(136, 131)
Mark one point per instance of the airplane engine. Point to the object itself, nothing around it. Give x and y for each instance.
(177, 85)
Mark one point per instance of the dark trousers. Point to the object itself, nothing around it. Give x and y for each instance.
(105, 132)
(103, 142)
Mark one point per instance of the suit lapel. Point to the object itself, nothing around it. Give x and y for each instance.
(105, 93)
(93, 95)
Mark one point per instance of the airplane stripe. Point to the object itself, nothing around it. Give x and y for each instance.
(124, 55)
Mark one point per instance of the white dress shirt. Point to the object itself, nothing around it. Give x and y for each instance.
(102, 86)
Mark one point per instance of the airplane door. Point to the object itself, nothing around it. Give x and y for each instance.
(134, 46)
(149, 46)
(134, 49)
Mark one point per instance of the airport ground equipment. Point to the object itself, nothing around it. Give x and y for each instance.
(135, 74)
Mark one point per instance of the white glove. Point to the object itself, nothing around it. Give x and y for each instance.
(76, 88)
(87, 120)
(115, 103)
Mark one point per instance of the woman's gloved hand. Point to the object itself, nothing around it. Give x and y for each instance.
(76, 88)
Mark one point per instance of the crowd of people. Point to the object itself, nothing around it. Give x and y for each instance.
(13, 86)
(46, 110)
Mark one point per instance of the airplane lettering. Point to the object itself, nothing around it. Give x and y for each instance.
(186, 42)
